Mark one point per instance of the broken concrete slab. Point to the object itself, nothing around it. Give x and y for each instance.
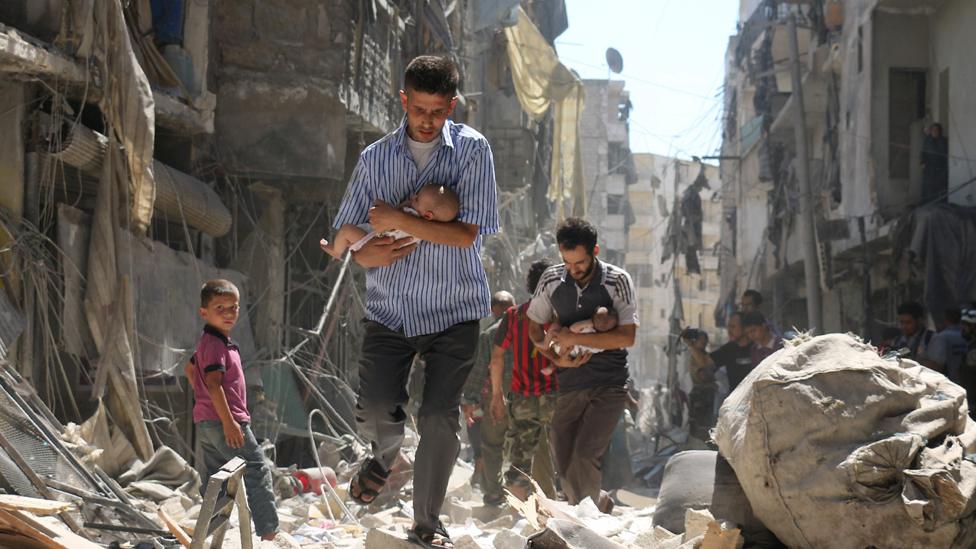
(387, 539)
(578, 536)
(722, 537)
(465, 542)
(696, 523)
(459, 512)
(507, 539)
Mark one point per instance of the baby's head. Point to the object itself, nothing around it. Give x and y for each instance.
(436, 203)
(604, 319)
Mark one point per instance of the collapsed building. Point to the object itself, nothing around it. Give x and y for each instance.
(873, 76)
(149, 146)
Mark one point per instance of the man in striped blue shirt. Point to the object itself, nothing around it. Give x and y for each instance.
(424, 298)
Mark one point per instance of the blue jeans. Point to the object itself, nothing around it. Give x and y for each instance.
(257, 475)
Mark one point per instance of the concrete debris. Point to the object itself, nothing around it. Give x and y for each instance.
(507, 539)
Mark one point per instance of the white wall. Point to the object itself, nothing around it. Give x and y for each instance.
(953, 45)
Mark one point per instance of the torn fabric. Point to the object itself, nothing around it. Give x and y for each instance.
(125, 199)
(540, 81)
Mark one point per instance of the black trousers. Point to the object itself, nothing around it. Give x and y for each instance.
(384, 368)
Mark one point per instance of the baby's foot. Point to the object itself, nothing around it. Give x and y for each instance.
(328, 248)
(548, 370)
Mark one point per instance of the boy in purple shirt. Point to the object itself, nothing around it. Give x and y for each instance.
(220, 404)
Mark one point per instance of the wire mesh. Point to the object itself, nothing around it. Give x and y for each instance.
(36, 450)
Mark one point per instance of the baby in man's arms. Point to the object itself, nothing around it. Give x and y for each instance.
(433, 202)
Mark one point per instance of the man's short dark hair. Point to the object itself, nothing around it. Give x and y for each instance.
(576, 231)
(953, 315)
(535, 273)
(217, 287)
(735, 314)
(432, 74)
(754, 318)
(913, 308)
(754, 295)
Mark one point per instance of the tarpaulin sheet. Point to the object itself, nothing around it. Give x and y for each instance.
(943, 238)
(541, 81)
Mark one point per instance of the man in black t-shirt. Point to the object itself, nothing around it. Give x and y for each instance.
(592, 386)
(735, 355)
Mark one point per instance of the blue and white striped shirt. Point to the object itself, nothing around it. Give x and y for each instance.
(436, 286)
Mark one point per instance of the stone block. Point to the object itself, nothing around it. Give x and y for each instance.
(459, 485)
(234, 22)
(458, 511)
(504, 522)
(284, 22)
(466, 542)
(487, 513)
(696, 523)
(386, 539)
(506, 539)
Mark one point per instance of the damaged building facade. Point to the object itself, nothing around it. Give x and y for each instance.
(149, 150)
(874, 75)
(672, 196)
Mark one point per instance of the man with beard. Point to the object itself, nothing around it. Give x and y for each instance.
(592, 387)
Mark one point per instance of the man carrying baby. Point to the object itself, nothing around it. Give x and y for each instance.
(433, 202)
(592, 387)
(422, 298)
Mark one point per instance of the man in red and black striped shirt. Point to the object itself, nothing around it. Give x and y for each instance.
(531, 397)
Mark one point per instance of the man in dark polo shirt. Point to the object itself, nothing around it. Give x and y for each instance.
(592, 387)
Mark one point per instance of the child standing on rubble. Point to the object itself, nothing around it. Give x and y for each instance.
(220, 404)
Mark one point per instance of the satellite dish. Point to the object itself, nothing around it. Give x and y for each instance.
(614, 60)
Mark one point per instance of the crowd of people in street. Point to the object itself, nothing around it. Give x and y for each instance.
(950, 350)
(751, 338)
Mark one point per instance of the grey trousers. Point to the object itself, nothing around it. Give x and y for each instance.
(257, 475)
(384, 368)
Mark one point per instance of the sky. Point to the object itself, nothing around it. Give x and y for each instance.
(674, 63)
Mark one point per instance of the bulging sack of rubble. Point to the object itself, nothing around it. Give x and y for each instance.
(836, 447)
(702, 480)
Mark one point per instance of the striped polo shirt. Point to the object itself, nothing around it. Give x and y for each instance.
(558, 296)
(436, 286)
(527, 376)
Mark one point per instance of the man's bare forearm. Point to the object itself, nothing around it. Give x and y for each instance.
(453, 233)
(497, 370)
(620, 337)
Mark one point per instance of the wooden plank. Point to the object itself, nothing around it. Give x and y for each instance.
(42, 507)
(174, 528)
(49, 532)
(39, 484)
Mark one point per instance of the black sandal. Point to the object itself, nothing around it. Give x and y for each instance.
(373, 473)
(438, 538)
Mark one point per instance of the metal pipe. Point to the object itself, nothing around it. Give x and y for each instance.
(178, 195)
(325, 481)
(807, 226)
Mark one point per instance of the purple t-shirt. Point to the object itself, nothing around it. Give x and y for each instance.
(217, 353)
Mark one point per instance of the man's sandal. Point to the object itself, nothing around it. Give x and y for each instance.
(368, 482)
(438, 538)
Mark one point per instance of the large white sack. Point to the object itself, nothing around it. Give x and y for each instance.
(836, 447)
